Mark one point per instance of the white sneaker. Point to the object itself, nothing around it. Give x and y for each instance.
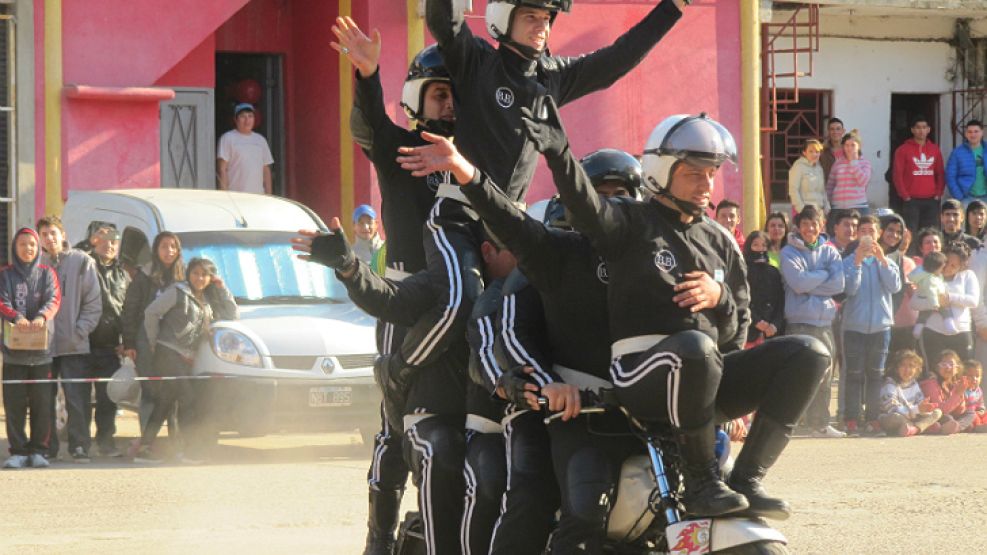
(16, 461)
(39, 461)
(828, 432)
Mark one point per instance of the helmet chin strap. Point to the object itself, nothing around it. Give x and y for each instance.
(683, 206)
(525, 50)
(438, 126)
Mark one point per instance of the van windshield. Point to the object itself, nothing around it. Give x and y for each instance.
(261, 267)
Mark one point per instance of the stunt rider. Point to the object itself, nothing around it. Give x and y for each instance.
(678, 303)
(561, 334)
(405, 202)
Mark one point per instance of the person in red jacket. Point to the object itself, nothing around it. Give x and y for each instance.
(919, 176)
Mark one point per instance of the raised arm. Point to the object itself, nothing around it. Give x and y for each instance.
(397, 302)
(448, 25)
(527, 238)
(592, 72)
(368, 117)
(523, 336)
(604, 222)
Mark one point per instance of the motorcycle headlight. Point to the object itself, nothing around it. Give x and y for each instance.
(233, 346)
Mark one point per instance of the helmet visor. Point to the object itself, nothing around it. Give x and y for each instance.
(698, 141)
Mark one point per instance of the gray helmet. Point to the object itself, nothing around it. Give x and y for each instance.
(698, 140)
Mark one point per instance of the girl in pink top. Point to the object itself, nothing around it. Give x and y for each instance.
(849, 177)
(944, 391)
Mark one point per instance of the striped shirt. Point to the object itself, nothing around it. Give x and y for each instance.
(848, 181)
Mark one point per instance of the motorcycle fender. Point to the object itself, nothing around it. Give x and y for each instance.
(694, 537)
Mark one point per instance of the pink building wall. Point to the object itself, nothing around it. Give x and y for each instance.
(120, 43)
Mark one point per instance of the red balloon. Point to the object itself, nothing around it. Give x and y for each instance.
(248, 90)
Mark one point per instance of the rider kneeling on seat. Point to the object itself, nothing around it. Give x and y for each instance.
(678, 300)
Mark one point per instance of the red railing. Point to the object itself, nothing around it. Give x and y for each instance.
(797, 37)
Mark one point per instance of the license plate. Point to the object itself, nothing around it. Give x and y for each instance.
(330, 396)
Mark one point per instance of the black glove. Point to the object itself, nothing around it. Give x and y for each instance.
(332, 250)
(394, 377)
(545, 129)
(512, 382)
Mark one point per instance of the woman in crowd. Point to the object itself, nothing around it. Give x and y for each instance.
(943, 387)
(166, 268)
(976, 219)
(175, 323)
(927, 240)
(904, 408)
(849, 177)
(767, 291)
(29, 299)
(806, 183)
(776, 226)
(962, 295)
(892, 241)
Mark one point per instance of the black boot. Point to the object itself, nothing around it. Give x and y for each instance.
(766, 440)
(705, 494)
(383, 521)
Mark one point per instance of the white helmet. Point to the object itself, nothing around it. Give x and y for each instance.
(500, 13)
(697, 140)
(427, 67)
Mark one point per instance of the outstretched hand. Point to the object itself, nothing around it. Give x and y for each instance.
(329, 249)
(362, 51)
(438, 156)
(544, 128)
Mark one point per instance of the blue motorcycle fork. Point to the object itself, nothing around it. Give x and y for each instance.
(661, 478)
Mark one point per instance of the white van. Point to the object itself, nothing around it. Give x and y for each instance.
(302, 352)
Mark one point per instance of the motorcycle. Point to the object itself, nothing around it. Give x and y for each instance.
(647, 516)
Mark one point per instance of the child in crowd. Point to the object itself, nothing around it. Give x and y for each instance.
(368, 245)
(29, 299)
(767, 291)
(929, 284)
(973, 419)
(945, 392)
(904, 409)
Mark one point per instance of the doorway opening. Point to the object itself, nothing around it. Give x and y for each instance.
(259, 80)
(904, 107)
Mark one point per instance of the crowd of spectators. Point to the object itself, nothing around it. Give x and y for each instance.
(91, 311)
(896, 297)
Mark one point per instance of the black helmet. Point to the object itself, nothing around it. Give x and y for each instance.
(610, 164)
(427, 67)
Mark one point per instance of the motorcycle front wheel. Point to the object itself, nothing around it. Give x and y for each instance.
(756, 548)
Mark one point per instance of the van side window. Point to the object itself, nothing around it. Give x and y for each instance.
(134, 248)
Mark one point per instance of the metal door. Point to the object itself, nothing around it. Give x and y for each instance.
(188, 140)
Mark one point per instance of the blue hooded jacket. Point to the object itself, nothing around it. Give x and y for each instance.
(812, 275)
(961, 171)
(868, 307)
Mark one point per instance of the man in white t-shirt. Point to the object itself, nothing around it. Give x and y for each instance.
(243, 157)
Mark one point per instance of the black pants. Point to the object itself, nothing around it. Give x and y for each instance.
(435, 449)
(452, 252)
(532, 496)
(932, 344)
(78, 402)
(169, 395)
(104, 362)
(18, 399)
(485, 473)
(388, 470)
(778, 378)
(674, 382)
(587, 453)
(920, 213)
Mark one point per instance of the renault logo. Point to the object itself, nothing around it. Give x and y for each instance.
(328, 365)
